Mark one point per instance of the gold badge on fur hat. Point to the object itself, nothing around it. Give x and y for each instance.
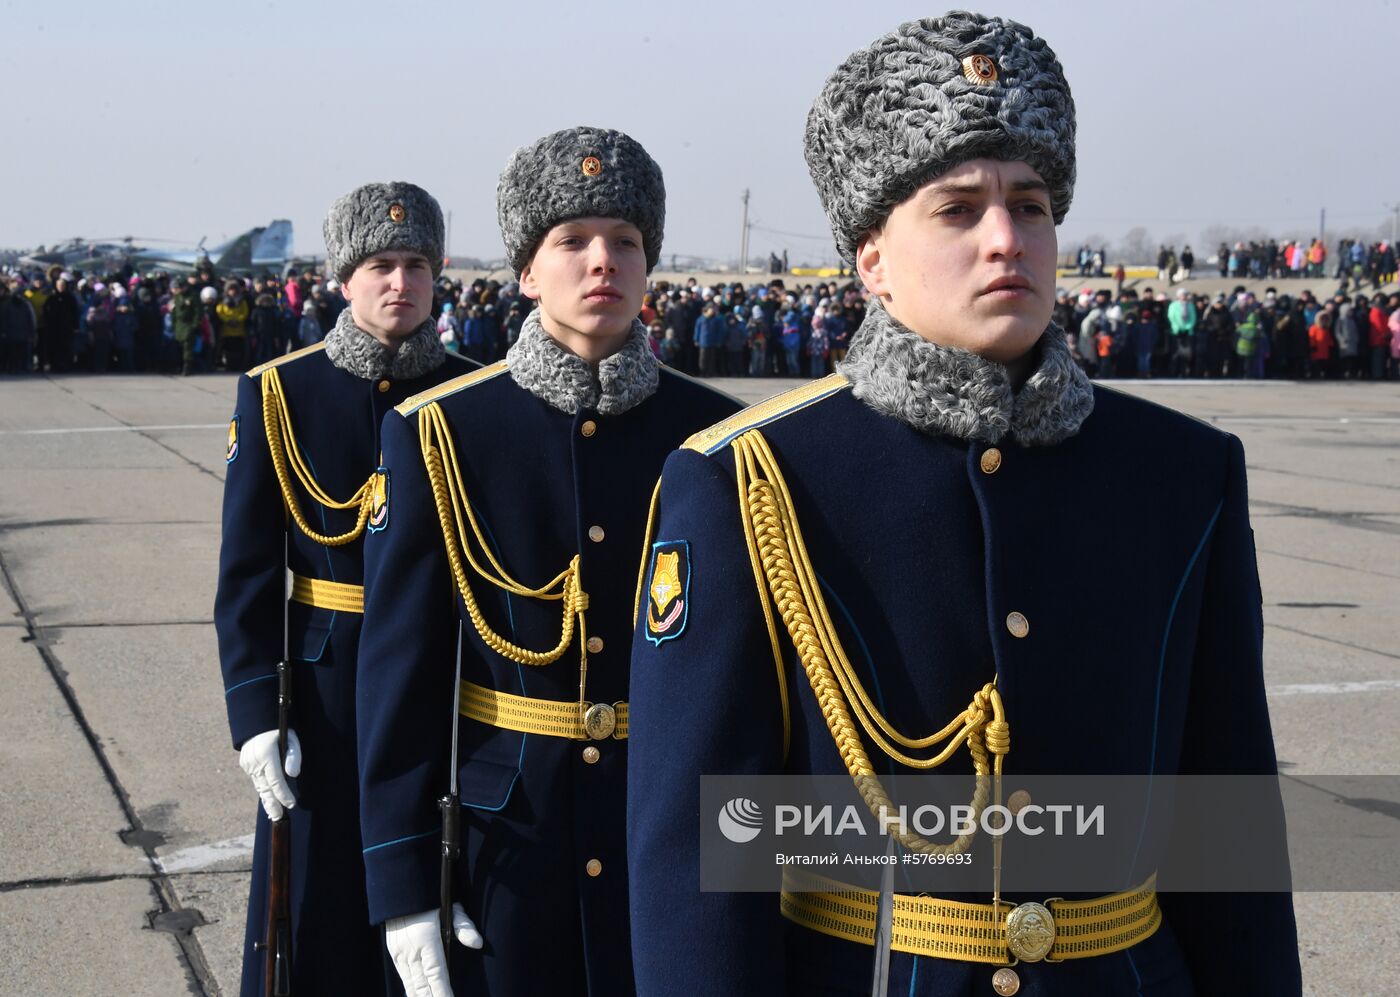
(980, 69)
(396, 213)
(592, 166)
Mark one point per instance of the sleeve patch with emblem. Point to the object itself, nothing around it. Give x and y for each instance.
(379, 500)
(668, 590)
(231, 454)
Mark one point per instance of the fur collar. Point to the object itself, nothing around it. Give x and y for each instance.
(357, 352)
(569, 383)
(948, 391)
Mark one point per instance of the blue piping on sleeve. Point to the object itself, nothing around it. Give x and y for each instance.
(240, 685)
(399, 841)
(1161, 670)
(1137, 977)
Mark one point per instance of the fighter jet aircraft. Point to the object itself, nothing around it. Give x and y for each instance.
(258, 249)
(265, 248)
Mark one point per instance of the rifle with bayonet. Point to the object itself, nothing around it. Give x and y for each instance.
(450, 805)
(277, 940)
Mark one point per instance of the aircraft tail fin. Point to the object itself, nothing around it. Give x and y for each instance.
(274, 245)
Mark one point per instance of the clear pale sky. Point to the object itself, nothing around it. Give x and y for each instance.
(176, 120)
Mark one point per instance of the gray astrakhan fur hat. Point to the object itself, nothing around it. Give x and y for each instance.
(928, 96)
(379, 217)
(579, 173)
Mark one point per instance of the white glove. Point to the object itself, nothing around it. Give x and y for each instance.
(258, 758)
(415, 945)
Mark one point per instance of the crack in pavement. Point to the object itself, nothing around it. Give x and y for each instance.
(91, 879)
(162, 888)
(1333, 640)
(1352, 520)
(1321, 477)
(129, 623)
(136, 429)
(1330, 564)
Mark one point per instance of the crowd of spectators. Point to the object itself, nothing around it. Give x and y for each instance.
(1142, 334)
(62, 322)
(727, 330)
(1354, 262)
(190, 323)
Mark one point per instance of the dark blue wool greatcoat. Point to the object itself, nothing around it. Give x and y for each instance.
(534, 812)
(1144, 659)
(336, 418)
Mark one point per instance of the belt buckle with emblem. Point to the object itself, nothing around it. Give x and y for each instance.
(1030, 932)
(599, 721)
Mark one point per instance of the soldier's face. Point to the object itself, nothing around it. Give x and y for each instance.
(969, 259)
(390, 294)
(588, 275)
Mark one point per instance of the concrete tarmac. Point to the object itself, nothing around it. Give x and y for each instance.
(125, 824)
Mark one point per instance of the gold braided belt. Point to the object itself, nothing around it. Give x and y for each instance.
(576, 721)
(340, 596)
(288, 462)
(998, 935)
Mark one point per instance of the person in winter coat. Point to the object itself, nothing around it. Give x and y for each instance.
(1215, 339)
(757, 332)
(232, 311)
(861, 556)
(17, 330)
(58, 324)
(710, 334)
(792, 342)
(1320, 342)
(1181, 324)
(100, 313)
(265, 329)
(1251, 346)
(540, 466)
(125, 325)
(448, 330)
(309, 328)
(1144, 340)
(303, 486)
(1347, 333)
(735, 338)
(1378, 337)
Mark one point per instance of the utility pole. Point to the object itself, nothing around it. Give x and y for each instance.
(447, 244)
(1394, 216)
(1322, 228)
(744, 238)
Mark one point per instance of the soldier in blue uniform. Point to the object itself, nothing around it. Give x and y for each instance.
(302, 488)
(518, 502)
(835, 572)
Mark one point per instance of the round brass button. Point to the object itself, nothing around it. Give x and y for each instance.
(591, 755)
(1005, 982)
(596, 534)
(1017, 624)
(991, 460)
(588, 428)
(594, 867)
(1018, 801)
(383, 385)
(595, 644)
